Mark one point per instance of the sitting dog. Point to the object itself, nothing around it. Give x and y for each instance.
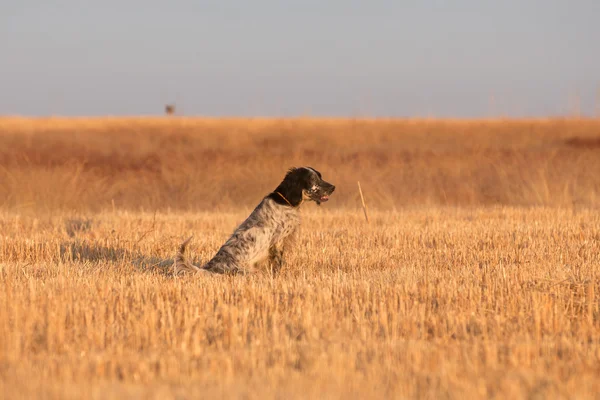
(269, 228)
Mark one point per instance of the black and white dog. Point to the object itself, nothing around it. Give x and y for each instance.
(269, 228)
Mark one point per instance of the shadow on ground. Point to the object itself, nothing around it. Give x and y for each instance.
(83, 251)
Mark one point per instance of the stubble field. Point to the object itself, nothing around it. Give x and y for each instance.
(476, 277)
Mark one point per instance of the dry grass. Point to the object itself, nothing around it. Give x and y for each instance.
(468, 289)
(203, 164)
(433, 303)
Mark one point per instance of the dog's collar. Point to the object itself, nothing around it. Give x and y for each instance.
(286, 200)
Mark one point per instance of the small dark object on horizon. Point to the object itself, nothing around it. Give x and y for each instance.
(170, 109)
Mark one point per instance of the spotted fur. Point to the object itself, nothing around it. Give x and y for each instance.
(269, 229)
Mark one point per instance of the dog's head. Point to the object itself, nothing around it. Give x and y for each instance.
(301, 184)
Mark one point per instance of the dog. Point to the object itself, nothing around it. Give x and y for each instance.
(269, 229)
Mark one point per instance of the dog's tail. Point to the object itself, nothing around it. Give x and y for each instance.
(182, 264)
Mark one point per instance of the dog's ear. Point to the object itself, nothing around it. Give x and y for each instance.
(292, 185)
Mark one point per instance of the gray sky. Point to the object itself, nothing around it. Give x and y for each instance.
(305, 57)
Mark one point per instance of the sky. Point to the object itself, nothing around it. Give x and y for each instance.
(427, 58)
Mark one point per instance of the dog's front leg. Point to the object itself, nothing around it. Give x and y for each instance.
(276, 258)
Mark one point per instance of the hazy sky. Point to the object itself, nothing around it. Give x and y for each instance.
(306, 57)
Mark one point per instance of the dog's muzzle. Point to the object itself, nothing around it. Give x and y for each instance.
(325, 192)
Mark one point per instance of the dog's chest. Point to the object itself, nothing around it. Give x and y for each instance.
(284, 223)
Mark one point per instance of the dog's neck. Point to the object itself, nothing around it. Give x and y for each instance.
(283, 197)
(286, 197)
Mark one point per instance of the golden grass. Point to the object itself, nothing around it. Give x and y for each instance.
(476, 278)
(432, 303)
(204, 164)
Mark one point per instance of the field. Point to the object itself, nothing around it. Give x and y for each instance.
(476, 277)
